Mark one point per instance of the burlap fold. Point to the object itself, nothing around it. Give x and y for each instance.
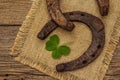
(29, 50)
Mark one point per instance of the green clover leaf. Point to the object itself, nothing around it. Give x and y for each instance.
(56, 54)
(55, 39)
(57, 51)
(52, 43)
(64, 50)
(50, 46)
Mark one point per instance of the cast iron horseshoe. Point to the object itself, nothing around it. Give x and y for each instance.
(56, 14)
(98, 39)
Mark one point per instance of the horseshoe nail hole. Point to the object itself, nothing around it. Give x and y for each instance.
(84, 62)
(93, 55)
(82, 14)
(99, 46)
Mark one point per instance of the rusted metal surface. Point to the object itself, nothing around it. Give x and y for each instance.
(98, 39)
(47, 29)
(57, 16)
(103, 7)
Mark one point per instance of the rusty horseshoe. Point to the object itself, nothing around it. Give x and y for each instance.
(98, 39)
(56, 14)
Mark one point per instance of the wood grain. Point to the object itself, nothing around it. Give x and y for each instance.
(113, 72)
(12, 11)
(10, 69)
(12, 14)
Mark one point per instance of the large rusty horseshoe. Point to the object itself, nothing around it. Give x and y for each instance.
(98, 39)
(56, 14)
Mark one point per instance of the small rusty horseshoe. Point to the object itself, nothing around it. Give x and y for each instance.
(103, 7)
(57, 16)
(98, 39)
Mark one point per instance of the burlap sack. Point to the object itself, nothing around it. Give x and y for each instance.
(29, 50)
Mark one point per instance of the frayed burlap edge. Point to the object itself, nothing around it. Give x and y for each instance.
(114, 40)
(22, 35)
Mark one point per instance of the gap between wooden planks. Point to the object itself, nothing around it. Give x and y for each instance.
(12, 14)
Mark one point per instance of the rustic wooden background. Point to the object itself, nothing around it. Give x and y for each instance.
(12, 14)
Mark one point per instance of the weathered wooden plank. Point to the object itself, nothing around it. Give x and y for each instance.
(112, 78)
(13, 12)
(7, 36)
(25, 77)
(9, 68)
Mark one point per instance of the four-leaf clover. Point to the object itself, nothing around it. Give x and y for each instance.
(57, 51)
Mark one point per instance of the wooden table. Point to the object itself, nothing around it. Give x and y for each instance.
(12, 14)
